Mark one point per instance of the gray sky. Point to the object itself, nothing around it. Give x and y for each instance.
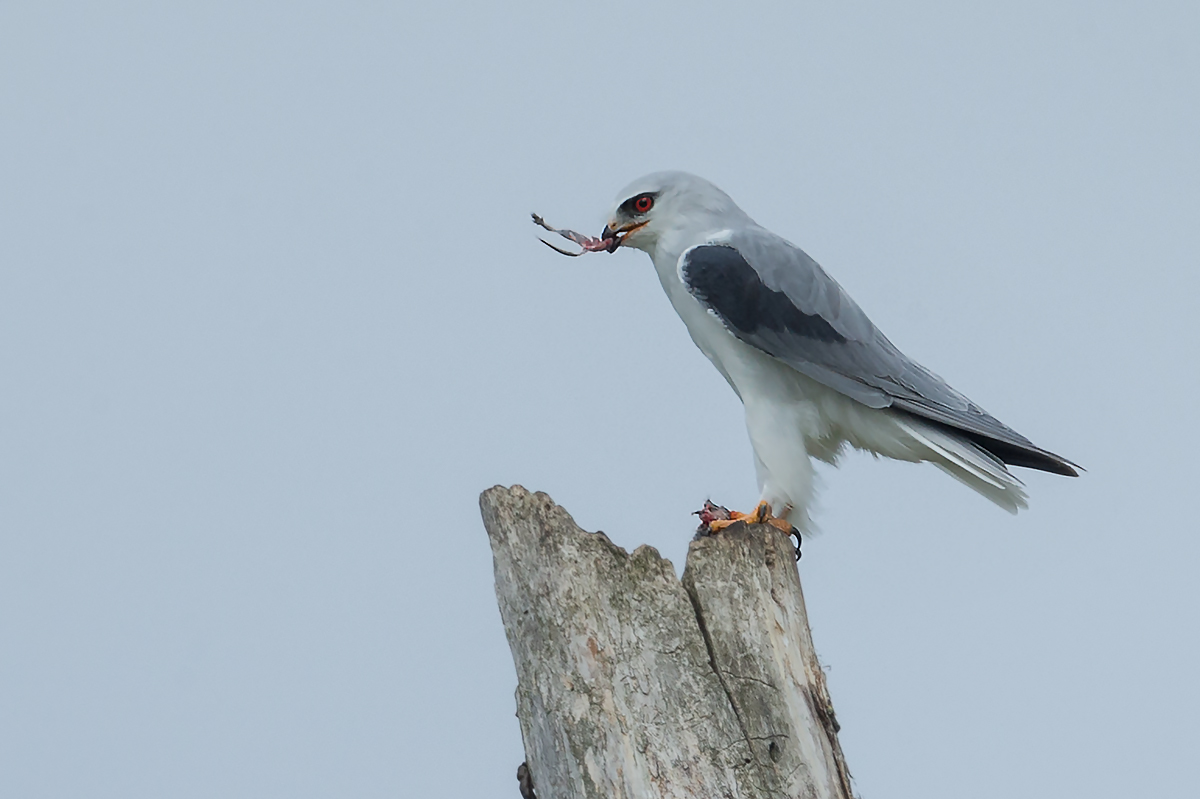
(272, 314)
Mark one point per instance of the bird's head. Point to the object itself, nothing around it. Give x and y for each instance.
(657, 205)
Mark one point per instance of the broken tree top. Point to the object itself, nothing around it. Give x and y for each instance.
(634, 683)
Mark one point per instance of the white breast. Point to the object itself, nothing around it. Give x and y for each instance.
(822, 417)
(744, 366)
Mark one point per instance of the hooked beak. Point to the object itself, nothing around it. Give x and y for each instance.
(616, 237)
(609, 235)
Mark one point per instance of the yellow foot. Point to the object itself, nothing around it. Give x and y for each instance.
(760, 515)
(757, 516)
(714, 519)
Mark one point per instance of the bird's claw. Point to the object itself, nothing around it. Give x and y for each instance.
(715, 518)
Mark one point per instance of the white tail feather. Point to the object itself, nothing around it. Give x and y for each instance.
(970, 465)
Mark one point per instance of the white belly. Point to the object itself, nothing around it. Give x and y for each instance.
(757, 378)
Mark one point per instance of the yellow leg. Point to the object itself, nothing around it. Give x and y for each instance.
(760, 515)
(714, 519)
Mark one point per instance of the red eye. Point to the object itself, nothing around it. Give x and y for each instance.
(643, 204)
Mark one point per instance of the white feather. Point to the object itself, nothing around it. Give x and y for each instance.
(969, 464)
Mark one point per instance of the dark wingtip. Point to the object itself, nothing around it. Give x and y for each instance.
(1025, 455)
(1057, 464)
(1028, 457)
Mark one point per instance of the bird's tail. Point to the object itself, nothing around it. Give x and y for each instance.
(970, 465)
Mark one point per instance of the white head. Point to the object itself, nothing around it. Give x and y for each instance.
(657, 205)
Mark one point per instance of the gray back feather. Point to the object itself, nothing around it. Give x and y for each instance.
(859, 361)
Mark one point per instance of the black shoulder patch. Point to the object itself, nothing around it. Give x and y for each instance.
(722, 279)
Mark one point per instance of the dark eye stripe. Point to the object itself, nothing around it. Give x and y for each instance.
(639, 204)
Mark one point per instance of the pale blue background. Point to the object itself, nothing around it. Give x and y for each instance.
(272, 314)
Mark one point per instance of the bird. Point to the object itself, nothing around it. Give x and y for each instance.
(814, 374)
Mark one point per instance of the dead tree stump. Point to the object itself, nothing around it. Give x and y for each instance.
(634, 684)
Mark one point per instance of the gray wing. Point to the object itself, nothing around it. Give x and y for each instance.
(772, 295)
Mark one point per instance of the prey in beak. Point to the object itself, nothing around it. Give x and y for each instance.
(609, 239)
(618, 236)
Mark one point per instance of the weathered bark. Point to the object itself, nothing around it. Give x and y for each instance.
(631, 683)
